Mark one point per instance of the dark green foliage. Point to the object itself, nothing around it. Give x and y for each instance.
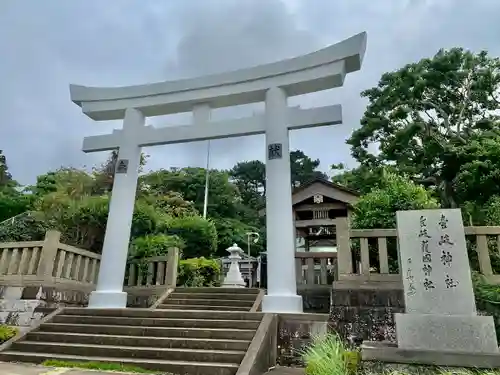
(153, 245)
(196, 272)
(435, 120)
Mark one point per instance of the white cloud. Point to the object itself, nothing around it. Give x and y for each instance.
(46, 45)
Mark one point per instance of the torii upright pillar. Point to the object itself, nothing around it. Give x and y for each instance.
(109, 291)
(280, 232)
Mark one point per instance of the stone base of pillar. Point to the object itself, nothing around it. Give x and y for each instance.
(107, 300)
(282, 304)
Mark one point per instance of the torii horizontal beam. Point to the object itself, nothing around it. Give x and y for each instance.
(253, 125)
(317, 71)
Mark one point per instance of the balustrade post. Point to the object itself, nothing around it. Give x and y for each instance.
(172, 265)
(344, 254)
(48, 254)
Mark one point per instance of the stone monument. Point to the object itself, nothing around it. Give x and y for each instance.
(440, 322)
(234, 277)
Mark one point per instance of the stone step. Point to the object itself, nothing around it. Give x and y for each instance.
(202, 307)
(176, 367)
(159, 322)
(151, 341)
(217, 290)
(172, 354)
(147, 313)
(169, 332)
(208, 302)
(175, 314)
(226, 296)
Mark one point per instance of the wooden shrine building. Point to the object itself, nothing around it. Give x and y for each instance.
(316, 207)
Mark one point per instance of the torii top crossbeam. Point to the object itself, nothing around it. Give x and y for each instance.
(317, 71)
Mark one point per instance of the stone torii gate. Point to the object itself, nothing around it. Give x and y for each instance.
(272, 83)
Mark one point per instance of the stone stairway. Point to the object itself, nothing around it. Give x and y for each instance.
(217, 299)
(174, 341)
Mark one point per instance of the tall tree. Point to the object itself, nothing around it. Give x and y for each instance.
(250, 176)
(303, 168)
(105, 174)
(362, 179)
(5, 176)
(426, 116)
(223, 196)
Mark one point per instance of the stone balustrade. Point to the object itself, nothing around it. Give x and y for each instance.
(370, 247)
(315, 269)
(51, 262)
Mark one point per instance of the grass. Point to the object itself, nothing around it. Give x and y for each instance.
(7, 332)
(327, 355)
(103, 366)
(427, 370)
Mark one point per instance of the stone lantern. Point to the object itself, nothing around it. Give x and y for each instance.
(233, 277)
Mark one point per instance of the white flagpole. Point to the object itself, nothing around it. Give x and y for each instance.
(201, 117)
(207, 180)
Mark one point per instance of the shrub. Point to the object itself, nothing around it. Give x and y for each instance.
(7, 332)
(327, 355)
(199, 235)
(197, 272)
(378, 208)
(487, 299)
(154, 245)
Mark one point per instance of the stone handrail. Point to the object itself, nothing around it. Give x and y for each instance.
(483, 237)
(313, 269)
(51, 262)
(160, 270)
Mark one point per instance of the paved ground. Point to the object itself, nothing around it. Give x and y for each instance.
(25, 369)
(278, 370)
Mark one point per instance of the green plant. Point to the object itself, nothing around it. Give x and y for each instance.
(197, 272)
(154, 245)
(327, 355)
(487, 298)
(97, 366)
(199, 235)
(7, 332)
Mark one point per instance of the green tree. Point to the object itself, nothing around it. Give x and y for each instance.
(361, 179)
(198, 234)
(155, 245)
(13, 204)
(250, 178)
(104, 176)
(223, 197)
(5, 176)
(378, 208)
(230, 231)
(426, 116)
(71, 182)
(304, 169)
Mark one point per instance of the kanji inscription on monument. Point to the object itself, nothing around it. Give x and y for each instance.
(274, 151)
(434, 262)
(122, 166)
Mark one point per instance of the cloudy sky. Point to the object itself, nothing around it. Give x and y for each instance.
(46, 45)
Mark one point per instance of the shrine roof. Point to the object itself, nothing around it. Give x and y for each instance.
(320, 186)
(325, 188)
(327, 183)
